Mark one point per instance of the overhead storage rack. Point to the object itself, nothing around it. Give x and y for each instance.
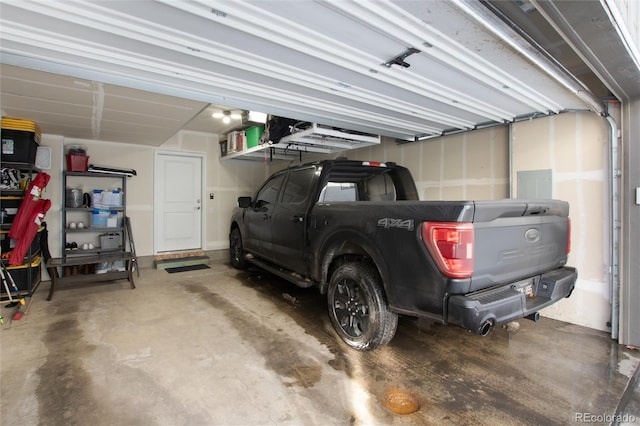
(315, 139)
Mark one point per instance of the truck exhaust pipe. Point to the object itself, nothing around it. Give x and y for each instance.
(485, 328)
(535, 317)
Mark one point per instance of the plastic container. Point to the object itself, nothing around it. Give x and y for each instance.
(96, 198)
(20, 140)
(254, 134)
(99, 218)
(109, 241)
(77, 163)
(111, 198)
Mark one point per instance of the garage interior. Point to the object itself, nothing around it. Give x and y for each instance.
(477, 99)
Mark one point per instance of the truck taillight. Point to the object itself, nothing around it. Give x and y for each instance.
(451, 246)
(568, 235)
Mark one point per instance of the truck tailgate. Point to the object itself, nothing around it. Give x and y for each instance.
(515, 239)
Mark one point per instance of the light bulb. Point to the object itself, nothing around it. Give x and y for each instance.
(226, 119)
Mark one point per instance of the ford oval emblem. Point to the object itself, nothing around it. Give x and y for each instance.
(532, 235)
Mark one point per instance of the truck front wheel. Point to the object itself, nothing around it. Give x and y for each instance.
(236, 250)
(358, 309)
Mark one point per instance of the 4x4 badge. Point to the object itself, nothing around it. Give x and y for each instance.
(388, 222)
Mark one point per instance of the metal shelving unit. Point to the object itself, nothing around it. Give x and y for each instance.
(85, 214)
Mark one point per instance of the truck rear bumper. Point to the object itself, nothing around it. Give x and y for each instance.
(479, 311)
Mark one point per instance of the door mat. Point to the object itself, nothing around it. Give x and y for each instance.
(186, 268)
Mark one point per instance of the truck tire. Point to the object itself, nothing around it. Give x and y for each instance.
(357, 307)
(236, 250)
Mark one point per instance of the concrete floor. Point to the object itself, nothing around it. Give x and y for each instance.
(224, 347)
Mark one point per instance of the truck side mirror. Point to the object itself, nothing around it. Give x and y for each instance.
(244, 202)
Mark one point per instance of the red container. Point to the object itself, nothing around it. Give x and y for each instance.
(77, 163)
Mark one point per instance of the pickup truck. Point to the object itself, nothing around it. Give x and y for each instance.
(359, 233)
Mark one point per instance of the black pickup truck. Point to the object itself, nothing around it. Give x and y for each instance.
(358, 231)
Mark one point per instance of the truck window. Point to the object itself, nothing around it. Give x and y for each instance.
(268, 194)
(298, 185)
(380, 188)
(338, 191)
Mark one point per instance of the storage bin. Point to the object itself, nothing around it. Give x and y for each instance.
(77, 163)
(25, 276)
(254, 133)
(114, 220)
(96, 198)
(20, 140)
(109, 241)
(111, 198)
(99, 218)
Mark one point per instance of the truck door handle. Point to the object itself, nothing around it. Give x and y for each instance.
(266, 216)
(297, 218)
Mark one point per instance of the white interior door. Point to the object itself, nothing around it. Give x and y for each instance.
(177, 202)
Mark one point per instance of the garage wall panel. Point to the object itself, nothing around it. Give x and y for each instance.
(412, 158)
(535, 142)
(432, 154)
(469, 165)
(573, 146)
(454, 159)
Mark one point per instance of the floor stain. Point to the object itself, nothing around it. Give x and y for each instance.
(280, 355)
(68, 395)
(64, 389)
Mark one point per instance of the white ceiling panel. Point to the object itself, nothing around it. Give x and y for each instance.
(320, 61)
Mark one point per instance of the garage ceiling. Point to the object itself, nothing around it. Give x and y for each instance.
(139, 71)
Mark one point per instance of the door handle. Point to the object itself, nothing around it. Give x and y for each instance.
(297, 218)
(266, 216)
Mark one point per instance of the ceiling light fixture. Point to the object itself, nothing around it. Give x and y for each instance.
(227, 116)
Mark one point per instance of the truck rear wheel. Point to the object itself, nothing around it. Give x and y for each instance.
(358, 309)
(236, 250)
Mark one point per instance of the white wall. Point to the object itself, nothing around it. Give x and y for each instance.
(226, 179)
(575, 147)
